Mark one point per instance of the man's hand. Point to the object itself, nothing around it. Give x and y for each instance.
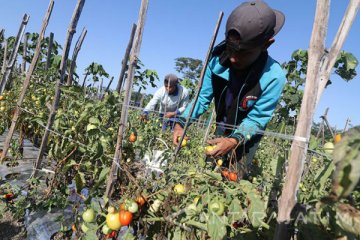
(223, 146)
(170, 114)
(178, 132)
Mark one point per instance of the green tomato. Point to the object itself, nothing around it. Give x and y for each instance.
(89, 215)
(217, 207)
(191, 210)
(84, 228)
(155, 206)
(132, 206)
(329, 147)
(105, 229)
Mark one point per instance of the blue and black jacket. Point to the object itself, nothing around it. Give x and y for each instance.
(246, 103)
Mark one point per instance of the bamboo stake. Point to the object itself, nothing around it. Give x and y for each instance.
(26, 82)
(75, 54)
(55, 105)
(48, 58)
(23, 66)
(126, 59)
(124, 111)
(10, 64)
(319, 69)
(3, 68)
(200, 82)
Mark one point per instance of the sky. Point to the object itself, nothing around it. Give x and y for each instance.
(184, 28)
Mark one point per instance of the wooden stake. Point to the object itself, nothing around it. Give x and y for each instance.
(10, 64)
(126, 59)
(329, 61)
(48, 58)
(55, 105)
(26, 82)
(3, 68)
(321, 127)
(23, 66)
(128, 87)
(100, 88)
(346, 124)
(221, 14)
(74, 56)
(319, 69)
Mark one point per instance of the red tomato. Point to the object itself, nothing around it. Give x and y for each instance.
(132, 137)
(111, 235)
(125, 217)
(233, 176)
(225, 173)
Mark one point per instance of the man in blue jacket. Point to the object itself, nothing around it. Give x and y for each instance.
(245, 82)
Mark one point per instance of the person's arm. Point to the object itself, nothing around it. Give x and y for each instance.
(262, 111)
(155, 99)
(203, 102)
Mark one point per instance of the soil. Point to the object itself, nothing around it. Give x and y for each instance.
(11, 229)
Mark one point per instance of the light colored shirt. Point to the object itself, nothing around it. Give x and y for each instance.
(175, 102)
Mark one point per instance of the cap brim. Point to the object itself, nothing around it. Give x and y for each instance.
(280, 20)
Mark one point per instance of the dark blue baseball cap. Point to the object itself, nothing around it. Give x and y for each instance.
(255, 22)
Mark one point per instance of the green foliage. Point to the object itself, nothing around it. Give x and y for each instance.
(190, 69)
(347, 163)
(96, 71)
(296, 70)
(345, 65)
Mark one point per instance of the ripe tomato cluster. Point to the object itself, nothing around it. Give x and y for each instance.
(232, 176)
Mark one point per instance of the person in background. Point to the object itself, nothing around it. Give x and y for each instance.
(172, 97)
(245, 82)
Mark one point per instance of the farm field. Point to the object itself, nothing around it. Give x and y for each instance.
(80, 161)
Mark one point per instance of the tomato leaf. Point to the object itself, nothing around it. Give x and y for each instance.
(69, 165)
(94, 120)
(128, 236)
(235, 213)
(256, 209)
(216, 227)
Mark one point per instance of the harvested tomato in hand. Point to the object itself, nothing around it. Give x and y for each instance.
(125, 217)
